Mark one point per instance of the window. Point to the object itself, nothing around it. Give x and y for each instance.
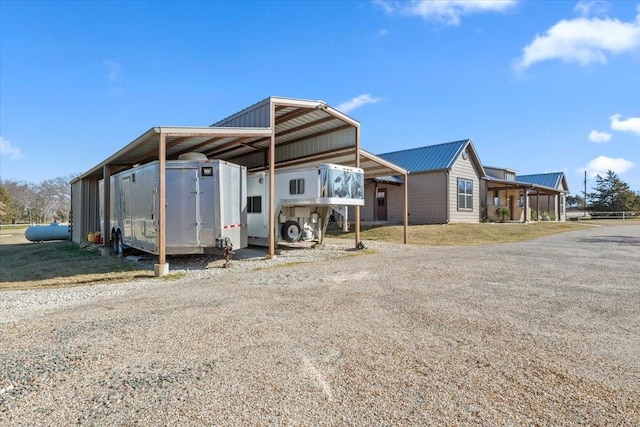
(496, 198)
(465, 194)
(296, 186)
(521, 200)
(254, 204)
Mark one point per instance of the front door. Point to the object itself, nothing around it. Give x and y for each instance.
(381, 205)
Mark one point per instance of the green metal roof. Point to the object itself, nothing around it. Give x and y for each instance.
(429, 158)
(551, 180)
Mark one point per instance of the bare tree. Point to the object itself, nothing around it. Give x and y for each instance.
(49, 200)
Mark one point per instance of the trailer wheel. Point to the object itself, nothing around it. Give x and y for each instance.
(291, 231)
(116, 241)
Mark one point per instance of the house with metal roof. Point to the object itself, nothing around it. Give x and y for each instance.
(442, 186)
(513, 197)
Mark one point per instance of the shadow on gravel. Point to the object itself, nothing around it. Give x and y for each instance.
(618, 240)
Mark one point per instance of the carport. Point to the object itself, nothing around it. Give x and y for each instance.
(271, 134)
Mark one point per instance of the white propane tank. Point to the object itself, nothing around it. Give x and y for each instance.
(41, 233)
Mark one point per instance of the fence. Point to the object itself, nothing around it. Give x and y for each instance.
(615, 215)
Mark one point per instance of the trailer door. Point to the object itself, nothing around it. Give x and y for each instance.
(181, 211)
(127, 210)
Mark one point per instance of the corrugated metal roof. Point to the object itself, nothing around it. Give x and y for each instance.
(305, 132)
(429, 158)
(551, 180)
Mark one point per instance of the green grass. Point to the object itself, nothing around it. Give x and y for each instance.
(59, 264)
(469, 234)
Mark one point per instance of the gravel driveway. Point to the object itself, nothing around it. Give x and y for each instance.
(545, 332)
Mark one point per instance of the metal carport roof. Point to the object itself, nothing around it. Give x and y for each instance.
(273, 133)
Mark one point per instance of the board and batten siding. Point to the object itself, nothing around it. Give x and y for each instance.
(427, 195)
(395, 202)
(463, 168)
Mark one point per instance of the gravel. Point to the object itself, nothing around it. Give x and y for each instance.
(545, 332)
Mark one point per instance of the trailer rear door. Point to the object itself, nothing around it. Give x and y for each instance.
(182, 210)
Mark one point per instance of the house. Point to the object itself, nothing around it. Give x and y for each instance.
(523, 197)
(443, 186)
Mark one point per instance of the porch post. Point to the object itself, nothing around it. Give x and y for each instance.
(526, 204)
(406, 208)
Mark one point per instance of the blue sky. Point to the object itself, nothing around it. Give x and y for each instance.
(539, 86)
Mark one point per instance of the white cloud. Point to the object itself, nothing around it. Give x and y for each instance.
(383, 32)
(591, 7)
(596, 136)
(447, 11)
(7, 149)
(114, 70)
(600, 165)
(582, 40)
(632, 124)
(357, 102)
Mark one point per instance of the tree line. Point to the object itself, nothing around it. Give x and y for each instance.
(24, 202)
(611, 195)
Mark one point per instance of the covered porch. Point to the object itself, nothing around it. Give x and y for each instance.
(514, 201)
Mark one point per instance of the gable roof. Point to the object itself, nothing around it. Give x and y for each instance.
(551, 180)
(431, 157)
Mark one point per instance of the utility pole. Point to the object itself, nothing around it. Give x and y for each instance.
(585, 193)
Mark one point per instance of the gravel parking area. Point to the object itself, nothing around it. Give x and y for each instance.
(545, 332)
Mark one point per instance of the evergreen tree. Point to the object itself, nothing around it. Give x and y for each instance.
(611, 194)
(7, 212)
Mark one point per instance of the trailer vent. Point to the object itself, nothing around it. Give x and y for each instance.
(206, 171)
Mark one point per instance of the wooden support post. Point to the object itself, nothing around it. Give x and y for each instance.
(406, 208)
(272, 181)
(357, 219)
(162, 267)
(106, 205)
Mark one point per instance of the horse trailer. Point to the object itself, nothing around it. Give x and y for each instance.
(304, 200)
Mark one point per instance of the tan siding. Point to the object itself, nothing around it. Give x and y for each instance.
(463, 169)
(427, 198)
(395, 202)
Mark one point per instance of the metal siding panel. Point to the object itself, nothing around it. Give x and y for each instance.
(323, 143)
(257, 115)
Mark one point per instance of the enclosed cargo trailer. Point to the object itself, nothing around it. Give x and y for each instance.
(304, 200)
(206, 207)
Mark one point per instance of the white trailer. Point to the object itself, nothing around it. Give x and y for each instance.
(206, 207)
(304, 200)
